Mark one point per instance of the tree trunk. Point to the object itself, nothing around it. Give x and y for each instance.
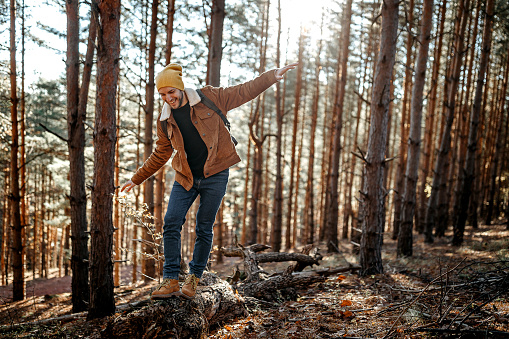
(243, 236)
(469, 173)
(149, 266)
(116, 205)
(277, 211)
(18, 283)
(169, 30)
(331, 226)
(309, 205)
(491, 175)
(465, 122)
(373, 190)
(215, 304)
(404, 127)
(257, 141)
(414, 140)
(76, 115)
(22, 153)
(430, 122)
(296, 107)
(102, 301)
(216, 43)
(450, 104)
(256, 184)
(4, 212)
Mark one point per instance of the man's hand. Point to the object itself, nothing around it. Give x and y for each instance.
(128, 186)
(281, 71)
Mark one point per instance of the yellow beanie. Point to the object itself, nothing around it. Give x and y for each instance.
(170, 76)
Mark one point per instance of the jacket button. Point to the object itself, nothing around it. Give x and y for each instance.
(203, 134)
(196, 122)
(208, 114)
(210, 147)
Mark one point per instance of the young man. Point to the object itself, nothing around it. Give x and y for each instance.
(205, 152)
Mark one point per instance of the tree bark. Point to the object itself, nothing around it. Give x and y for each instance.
(18, 283)
(309, 209)
(277, 210)
(373, 191)
(469, 169)
(76, 115)
(215, 303)
(430, 122)
(465, 116)
(22, 152)
(332, 209)
(405, 241)
(257, 140)
(102, 301)
(216, 42)
(169, 30)
(404, 127)
(149, 264)
(296, 108)
(450, 104)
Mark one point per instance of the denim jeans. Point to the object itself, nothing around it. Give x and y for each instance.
(211, 191)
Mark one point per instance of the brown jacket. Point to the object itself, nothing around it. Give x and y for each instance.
(215, 135)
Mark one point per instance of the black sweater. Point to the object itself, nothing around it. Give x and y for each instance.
(196, 150)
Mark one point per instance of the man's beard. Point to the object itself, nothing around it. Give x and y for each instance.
(181, 99)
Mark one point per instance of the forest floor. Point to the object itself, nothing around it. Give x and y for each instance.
(440, 292)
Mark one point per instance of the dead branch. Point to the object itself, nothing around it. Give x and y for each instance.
(420, 294)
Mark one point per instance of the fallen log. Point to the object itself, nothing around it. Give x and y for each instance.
(328, 271)
(214, 303)
(278, 287)
(250, 256)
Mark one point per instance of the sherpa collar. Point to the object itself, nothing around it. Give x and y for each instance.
(192, 96)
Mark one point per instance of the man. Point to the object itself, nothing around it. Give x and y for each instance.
(205, 152)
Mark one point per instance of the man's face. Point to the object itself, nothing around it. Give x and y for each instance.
(173, 97)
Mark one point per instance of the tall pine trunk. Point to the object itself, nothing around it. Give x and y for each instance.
(277, 211)
(332, 209)
(439, 177)
(18, 282)
(102, 302)
(149, 265)
(469, 169)
(216, 43)
(404, 129)
(296, 108)
(76, 115)
(309, 209)
(373, 195)
(430, 122)
(414, 140)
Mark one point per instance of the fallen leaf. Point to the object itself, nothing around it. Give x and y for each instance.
(346, 303)
(228, 327)
(341, 278)
(347, 314)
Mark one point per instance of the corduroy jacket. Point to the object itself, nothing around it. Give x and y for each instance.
(215, 135)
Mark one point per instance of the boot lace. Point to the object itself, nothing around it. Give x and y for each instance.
(165, 282)
(193, 281)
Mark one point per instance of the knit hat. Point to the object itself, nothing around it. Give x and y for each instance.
(170, 76)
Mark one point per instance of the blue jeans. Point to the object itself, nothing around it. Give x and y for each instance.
(211, 191)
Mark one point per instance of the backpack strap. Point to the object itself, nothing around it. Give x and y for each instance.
(213, 107)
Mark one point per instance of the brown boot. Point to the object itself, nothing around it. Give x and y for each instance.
(190, 286)
(166, 289)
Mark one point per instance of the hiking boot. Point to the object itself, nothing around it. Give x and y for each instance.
(190, 286)
(166, 289)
